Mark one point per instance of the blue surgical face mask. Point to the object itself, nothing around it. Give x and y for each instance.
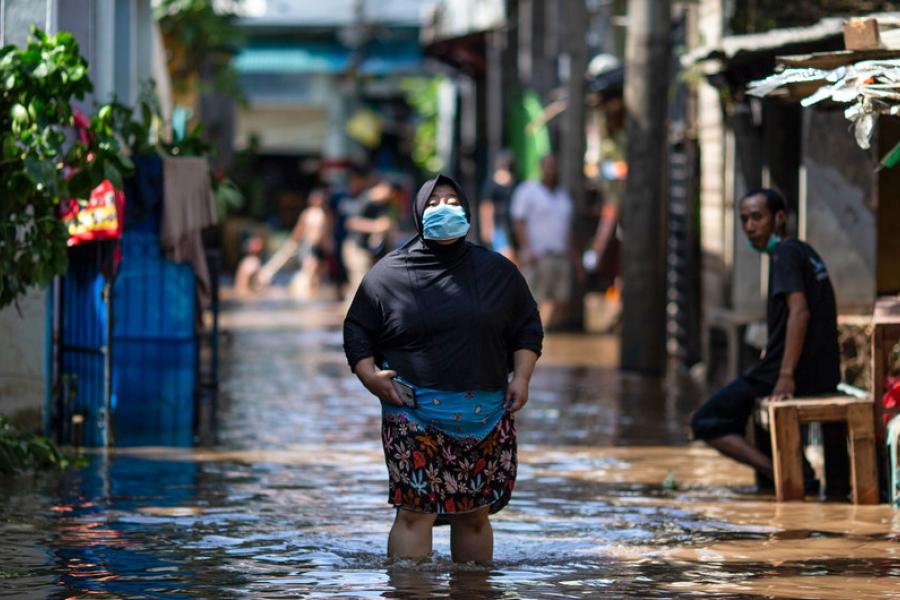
(444, 222)
(770, 245)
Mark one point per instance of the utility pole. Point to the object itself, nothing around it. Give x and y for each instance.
(647, 60)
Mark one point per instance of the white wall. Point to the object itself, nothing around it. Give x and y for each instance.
(23, 351)
(22, 355)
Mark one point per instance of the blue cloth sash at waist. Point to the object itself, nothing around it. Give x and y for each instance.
(462, 415)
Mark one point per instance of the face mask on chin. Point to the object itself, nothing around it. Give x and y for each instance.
(444, 222)
(770, 245)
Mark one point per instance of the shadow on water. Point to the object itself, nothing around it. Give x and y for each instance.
(291, 501)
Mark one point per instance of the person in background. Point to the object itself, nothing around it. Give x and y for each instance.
(368, 234)
(801, 355)
(311, 239)
(245, 275)
(605, 256)
(454, 325)
(494, 212)
(542, 217)
(344, 203)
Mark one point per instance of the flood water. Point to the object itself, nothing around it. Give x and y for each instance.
(292, 500)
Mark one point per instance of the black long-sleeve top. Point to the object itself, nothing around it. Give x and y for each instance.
(444, 317)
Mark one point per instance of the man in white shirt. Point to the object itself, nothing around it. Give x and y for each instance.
(542, 220)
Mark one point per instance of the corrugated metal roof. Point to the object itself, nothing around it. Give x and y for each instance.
(732, 46)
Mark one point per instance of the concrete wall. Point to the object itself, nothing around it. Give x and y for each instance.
(711, 138)
(747, 293)
(19, 15)
(22, 363)
(837, 214)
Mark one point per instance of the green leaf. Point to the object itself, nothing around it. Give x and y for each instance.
(10, 149)
(892, 158)
(112, 173)
(19, 114)
(126, 166)
(42, 172)
(36, 109)
(77, 73)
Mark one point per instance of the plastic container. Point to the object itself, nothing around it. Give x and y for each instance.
(893, 440)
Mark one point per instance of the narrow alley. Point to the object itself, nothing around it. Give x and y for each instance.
(291, 502)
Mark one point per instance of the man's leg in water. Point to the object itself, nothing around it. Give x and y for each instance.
(738, 448)
(722, 420)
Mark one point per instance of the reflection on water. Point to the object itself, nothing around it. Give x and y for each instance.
(291, 502)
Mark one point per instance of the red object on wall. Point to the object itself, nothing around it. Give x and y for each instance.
(891, 398)
(99, 219)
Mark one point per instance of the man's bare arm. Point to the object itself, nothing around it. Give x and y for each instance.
(486, 215)
(363, 225)
(522, 239)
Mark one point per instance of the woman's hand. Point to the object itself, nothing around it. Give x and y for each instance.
(377, 381)
(516, 394)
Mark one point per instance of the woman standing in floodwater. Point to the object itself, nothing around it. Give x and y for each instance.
(433, 332)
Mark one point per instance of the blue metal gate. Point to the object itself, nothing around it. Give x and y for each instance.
(154, 334)
(82, 326)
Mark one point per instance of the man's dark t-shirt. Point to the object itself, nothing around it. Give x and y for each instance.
(501, 196)
(369, 209)
(795, 267)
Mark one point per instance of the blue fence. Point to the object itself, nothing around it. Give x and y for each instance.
(135, 358)
(82, 388)
(154, 343)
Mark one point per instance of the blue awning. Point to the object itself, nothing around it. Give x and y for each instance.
(327, 58)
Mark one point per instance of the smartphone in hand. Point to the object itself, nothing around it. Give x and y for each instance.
(406, 392)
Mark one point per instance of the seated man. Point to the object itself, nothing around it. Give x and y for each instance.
(801, 355)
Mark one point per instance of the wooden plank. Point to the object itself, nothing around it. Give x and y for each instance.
(822, 414)
(879, 364)
(863, 471)
(836, 400)
(832, 60)
(786, 449)
(887, 310)
(820, 409)
(862, 34)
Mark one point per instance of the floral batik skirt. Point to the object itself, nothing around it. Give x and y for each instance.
(434, 472)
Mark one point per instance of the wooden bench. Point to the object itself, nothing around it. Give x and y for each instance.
(784, 419)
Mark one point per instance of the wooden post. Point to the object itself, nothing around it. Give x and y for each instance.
(784, 424)
(863, 471)
(495, 44)
(572, 139)
(647, 60)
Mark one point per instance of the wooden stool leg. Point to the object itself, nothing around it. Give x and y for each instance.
(863, 473)
(784, 425)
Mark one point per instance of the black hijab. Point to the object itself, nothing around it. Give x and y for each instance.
(425, 193)
(444, 316)
(428, 258)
